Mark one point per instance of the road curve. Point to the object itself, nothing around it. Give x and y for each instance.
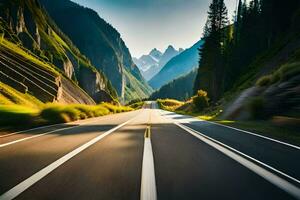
(146, 154)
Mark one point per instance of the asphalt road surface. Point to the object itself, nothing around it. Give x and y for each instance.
(146, 154)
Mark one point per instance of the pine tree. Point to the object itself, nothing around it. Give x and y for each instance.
(238, 22)
(210, 71)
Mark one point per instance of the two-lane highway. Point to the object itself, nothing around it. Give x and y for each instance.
(146, 154)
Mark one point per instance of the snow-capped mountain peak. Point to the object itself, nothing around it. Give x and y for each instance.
(152, 63)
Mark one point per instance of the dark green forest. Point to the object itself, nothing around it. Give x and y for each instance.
(236, 54)
(180, 88)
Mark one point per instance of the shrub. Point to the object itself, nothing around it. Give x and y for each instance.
(116, 109)
(284, 73)
(264, 81)
(169, 104)
(60, 113)
(137, 105)
(201, 100)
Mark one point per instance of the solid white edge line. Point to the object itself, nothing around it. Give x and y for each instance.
(24, 185)
(34, 136)
(148, 182)
(272, 178)
(247, 156)
(46, 133)
(248, 132)
(255, 134)
(32, 129)
(49, 126)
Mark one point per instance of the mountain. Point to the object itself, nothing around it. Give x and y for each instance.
(152, 63)
(177, 66)
(102, 44)
(37, 58)
(180, 88)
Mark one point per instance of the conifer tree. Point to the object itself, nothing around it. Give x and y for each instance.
(210, 66)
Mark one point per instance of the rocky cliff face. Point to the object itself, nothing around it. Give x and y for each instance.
(102, 44)
(25, 22)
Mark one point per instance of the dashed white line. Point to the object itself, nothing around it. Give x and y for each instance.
(148, 183)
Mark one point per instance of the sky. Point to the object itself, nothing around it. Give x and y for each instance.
(148, 24)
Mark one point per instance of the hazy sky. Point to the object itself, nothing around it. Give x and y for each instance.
(146, 24)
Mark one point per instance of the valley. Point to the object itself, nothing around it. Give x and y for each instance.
(85, 113)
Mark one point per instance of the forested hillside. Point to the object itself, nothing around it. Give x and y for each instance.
(180, 88)
(236, 55)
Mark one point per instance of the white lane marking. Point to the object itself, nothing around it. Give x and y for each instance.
(24, 185)
(25, 131)
(49, 126)
(46, 133)
(234, 154)
(148, 183)
(34, 136)
(85, 121)
(247, 156)
(240, 130)
(261, 136)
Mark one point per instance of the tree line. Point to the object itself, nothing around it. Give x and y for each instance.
(229, 49)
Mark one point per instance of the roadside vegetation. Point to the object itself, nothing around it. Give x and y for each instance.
(16, 115)
(137, 105)
(284, 73)
(18, 110)
(169, 104)
(279, 127)
(257, 86)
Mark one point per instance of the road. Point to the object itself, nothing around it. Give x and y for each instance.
(146, 154)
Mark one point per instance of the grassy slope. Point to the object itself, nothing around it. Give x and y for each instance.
(27, 55)
(21, 111)
(135, 89)
(56, 46)
(9, 96)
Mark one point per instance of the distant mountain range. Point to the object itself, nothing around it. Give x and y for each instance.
(152, 63)
(178, 66)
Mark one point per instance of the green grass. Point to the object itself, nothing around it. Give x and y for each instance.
(56, 113)
(136, 89)
(137, 105)
(10, 96)
(14, 115)
(18, 50)
(116, 108)
(284, 73)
